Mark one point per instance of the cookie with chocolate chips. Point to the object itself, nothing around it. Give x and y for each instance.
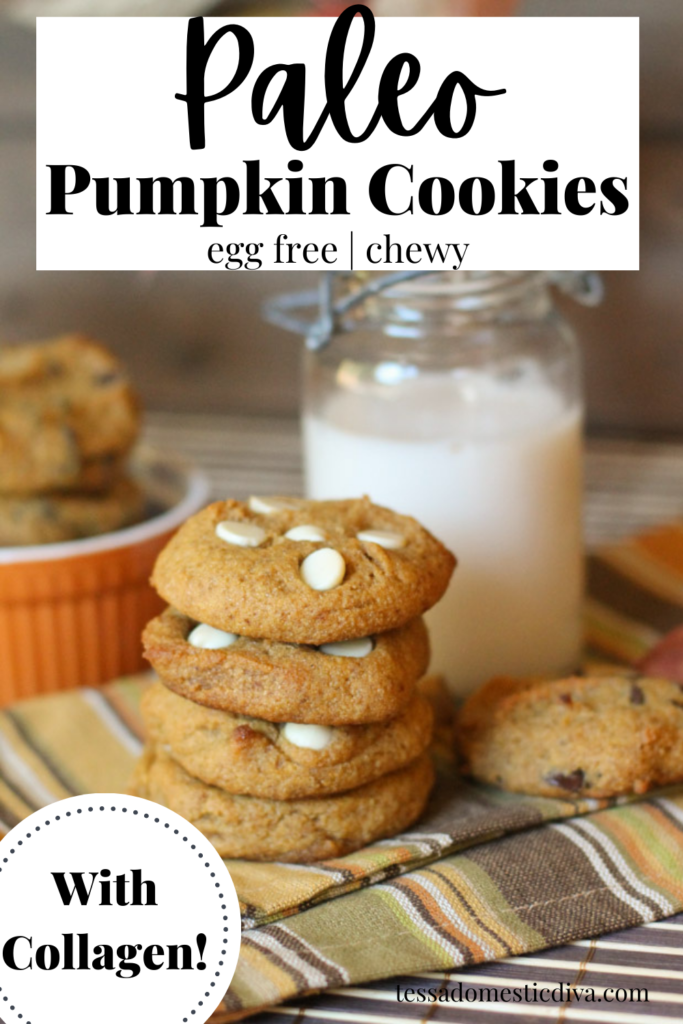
(309, 572)
(599, 736)
(53, 518)
(68, 416)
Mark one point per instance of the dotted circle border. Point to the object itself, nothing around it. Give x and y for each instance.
(155, 821)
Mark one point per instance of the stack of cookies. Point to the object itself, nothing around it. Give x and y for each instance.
(68, 419)
(288, 724)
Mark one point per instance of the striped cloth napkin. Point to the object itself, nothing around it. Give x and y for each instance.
(486, 875)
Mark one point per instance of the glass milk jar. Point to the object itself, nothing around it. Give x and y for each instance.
(456, 398)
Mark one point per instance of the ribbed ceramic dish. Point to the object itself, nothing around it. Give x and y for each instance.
(71, 614)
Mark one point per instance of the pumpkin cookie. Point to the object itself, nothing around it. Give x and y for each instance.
(49, 519)
(67, 416)
(252, 757)
(368, 681)
(318, 572)
(296, 831)
(99, 474)
(596, 737)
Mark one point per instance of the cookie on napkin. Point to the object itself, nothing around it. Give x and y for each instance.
(601, 736)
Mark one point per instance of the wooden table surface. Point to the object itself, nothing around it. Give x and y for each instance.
(630, 485)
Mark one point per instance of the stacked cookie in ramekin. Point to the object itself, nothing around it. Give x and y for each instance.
(68, 419)
(288, 724)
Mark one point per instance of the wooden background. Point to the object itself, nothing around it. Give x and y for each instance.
(197, 342)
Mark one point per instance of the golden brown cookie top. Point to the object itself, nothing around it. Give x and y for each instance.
(314, 572)
(598, 736)
(64, 405)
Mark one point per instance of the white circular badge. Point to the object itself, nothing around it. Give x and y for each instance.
(114, 908)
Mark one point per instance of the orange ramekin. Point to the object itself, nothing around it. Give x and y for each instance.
(71, 614)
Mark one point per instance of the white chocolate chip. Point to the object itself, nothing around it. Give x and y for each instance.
(349, 648)
(324, 569)
(385, 538)
(267, 505)
(306, 532)
(313, 737)
(209, 638)
(245, 535)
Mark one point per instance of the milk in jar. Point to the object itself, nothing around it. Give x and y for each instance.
(471, 421)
